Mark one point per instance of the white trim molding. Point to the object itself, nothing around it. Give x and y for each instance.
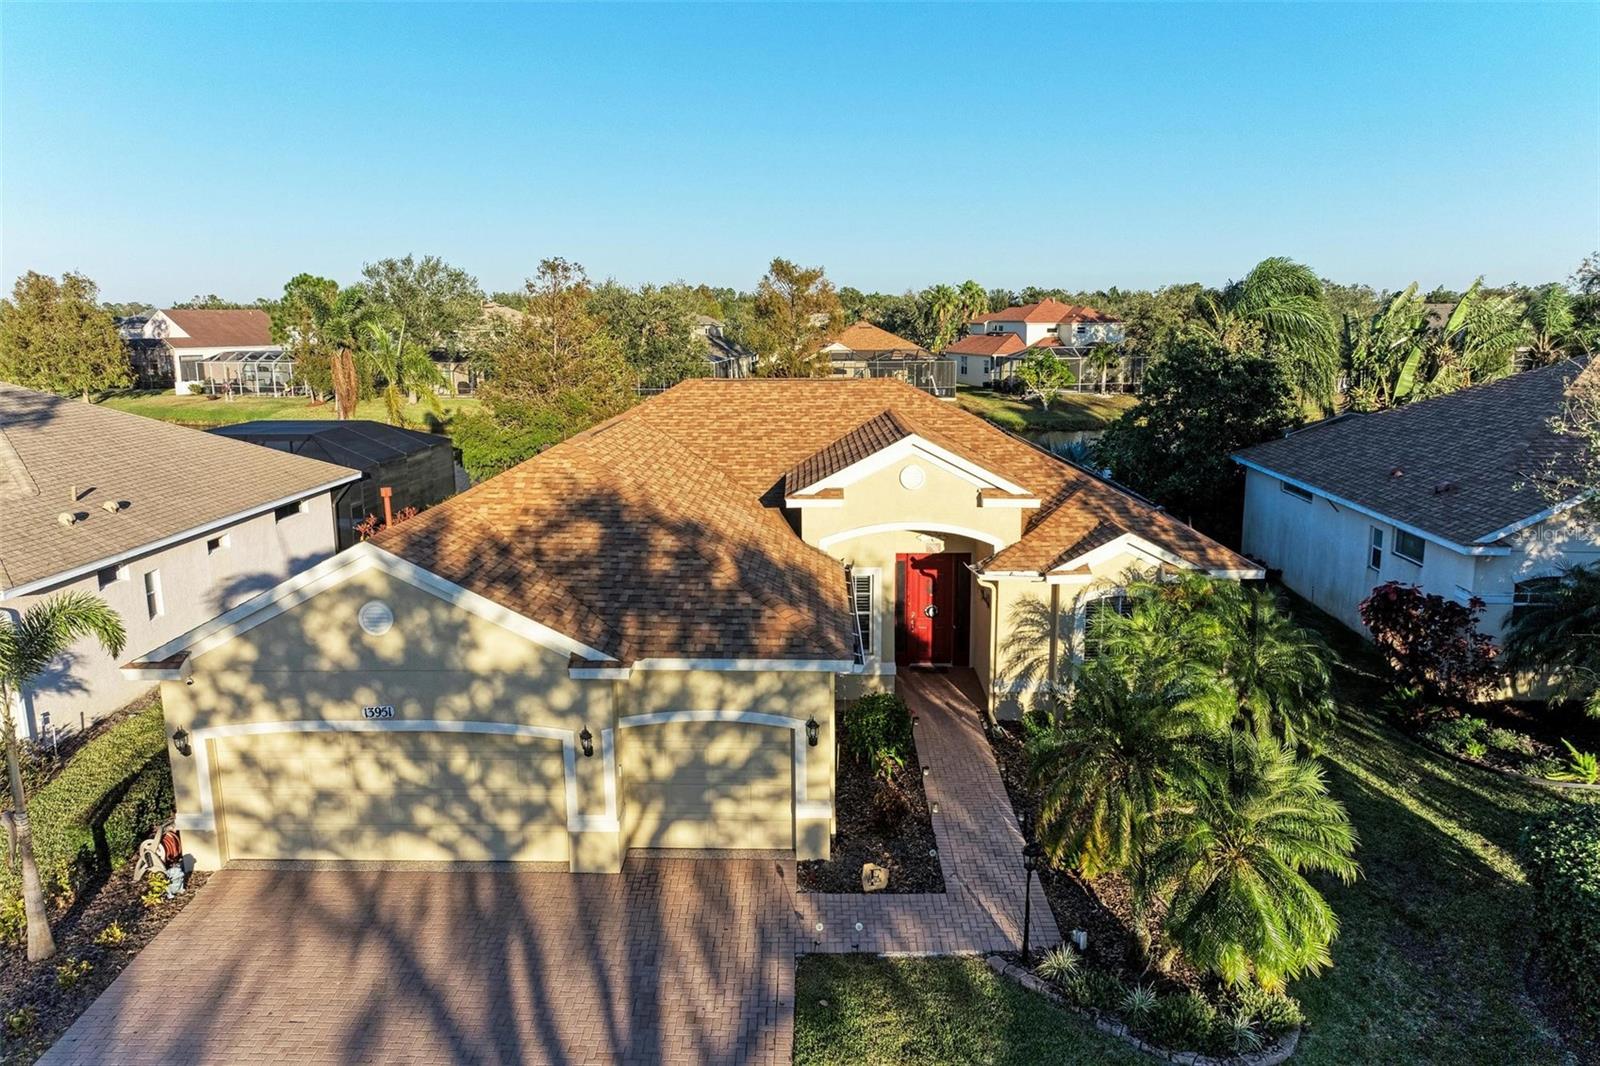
(335, 571)
(791, 666)
(909, 447)
(803, 808)
(205, 819)
(994, 540)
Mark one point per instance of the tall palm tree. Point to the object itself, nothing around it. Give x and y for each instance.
(406, 369)
(973, 298)
(27, 645)
(1102, 359)
(1281, 302)
(1559, 634)
(1231, 861)
(944, 307)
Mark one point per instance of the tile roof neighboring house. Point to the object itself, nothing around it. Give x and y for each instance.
(221, 329)
(1046, 311)
(986, 344)
(660, 534)
(863, 336)
(1463, 467)
(169, 480)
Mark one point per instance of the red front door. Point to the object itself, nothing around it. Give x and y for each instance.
(927, 630)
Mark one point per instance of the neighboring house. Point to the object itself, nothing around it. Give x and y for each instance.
(864, 350)
(1447, 493)
(638, 637)
(419, 468)
(149, 357)
(214, 351)
(728, 359)
(984, 358)
(1071, 325)
(170, 525)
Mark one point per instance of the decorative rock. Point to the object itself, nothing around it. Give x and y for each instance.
(874, 878)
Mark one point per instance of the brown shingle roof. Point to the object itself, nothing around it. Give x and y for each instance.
(863, 336)
(221, 329)
(986, 344)
(173, 480)
(1461, 466)
(659, 534)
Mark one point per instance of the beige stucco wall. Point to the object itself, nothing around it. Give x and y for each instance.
(944, 500)
(441, 664)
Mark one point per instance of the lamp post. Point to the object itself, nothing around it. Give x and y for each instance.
(1030, 862)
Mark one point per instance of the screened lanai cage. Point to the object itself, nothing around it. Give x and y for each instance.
(249, 371)
(937, 377)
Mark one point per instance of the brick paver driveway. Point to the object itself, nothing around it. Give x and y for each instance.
(675, 961)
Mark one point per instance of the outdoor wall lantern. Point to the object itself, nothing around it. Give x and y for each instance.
(811, 731)
(180, 740)
(586, 738)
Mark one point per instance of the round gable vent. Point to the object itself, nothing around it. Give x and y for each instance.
(376, 618)
(912, 477)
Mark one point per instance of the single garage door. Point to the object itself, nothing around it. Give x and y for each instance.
(392, 796)
(707, 785)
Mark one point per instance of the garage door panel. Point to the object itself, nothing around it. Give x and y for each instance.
(708, 785)
(398, 795)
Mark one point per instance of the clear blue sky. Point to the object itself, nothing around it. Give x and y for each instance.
(169, 150)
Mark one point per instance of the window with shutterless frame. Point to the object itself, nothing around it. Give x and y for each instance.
(1375, 550)
(1409, 546)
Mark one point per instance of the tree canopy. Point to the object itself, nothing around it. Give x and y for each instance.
(796, 311)
(55, 336)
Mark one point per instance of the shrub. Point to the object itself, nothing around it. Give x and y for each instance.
(877, 731)
(1581, 766)
(1563, 858)
(21, 1021)
(1475, 749)
(1509, 741)
(1102, 990)
(155, 892)
(13, 922)
(1273, 1012)
(1183, 1023)
(1137, 1003)
(1238, 1031)
(1431, 642)
(1454, 734)
(889, 806)
(1058, 964)
(110, 936)
(70, 973)
(93, 814)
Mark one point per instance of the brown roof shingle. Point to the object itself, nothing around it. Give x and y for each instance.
(863, 336)
(173, 480)
(221, 329)
(1461, 466)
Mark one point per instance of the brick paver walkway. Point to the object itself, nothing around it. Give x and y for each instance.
(980, 847)
(675, 961)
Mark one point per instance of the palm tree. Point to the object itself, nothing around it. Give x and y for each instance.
(1559, 634)
(1276, 669)
(407, 371)
(944, 306)
(974, 300)
(1231, 861)
(1281, 302)
(1102, 359)
(27, 645)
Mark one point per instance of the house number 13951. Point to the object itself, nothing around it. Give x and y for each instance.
(383, 711)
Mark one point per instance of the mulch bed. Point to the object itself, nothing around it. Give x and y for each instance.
(1102, 907)
(908, 851)
(34, 985)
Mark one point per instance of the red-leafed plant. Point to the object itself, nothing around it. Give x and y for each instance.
(372, 525)
(1432, 644)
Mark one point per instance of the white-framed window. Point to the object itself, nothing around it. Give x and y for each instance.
(153, 604)
(288, 510)
(110, 576)
(1534, 592)
(1375, 550)
(963, 365)
(863, 594)
(218, 543)
(1115, 602)
(1296, 491)
(1409, 546)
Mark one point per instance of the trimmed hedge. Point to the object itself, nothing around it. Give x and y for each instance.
(1563, 858)
(93, 814)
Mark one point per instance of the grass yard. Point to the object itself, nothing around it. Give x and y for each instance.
(952, 1010)
(207, 411)
(1071, 412)
(1429, 966)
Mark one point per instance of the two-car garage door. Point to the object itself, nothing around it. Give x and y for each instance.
(391, 795)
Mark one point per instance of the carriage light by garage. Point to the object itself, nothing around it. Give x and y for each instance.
(180, 740)
(586, 738)
(811, 731)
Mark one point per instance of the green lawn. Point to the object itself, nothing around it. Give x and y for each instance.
(1428, 967)
(208, 411)
(1071, 412)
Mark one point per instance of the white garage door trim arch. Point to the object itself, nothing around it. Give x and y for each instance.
(206, 819)
(803, 808)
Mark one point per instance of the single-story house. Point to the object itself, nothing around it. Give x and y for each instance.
(419, 469)
(637, 638)
(983, 359)
(170, 526)
(209, 351)
(1450, 494)
(863, 350)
